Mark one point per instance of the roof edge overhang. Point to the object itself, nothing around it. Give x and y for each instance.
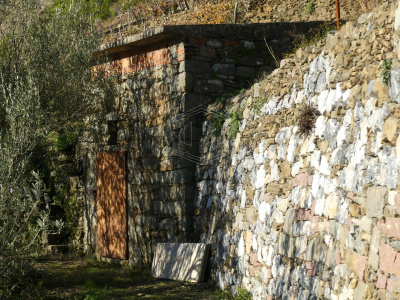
(253, 30)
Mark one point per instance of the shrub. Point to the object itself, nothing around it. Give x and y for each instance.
(46, 84)
(306, 121)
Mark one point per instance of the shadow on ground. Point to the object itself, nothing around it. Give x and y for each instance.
(77, 278)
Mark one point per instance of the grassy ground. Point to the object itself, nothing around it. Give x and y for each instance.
(77, 278)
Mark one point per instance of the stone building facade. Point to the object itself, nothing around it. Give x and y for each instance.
(165, 78)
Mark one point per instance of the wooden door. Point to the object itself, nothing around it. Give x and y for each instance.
(111, 205)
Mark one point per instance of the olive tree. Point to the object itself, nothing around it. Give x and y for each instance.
(46, 84)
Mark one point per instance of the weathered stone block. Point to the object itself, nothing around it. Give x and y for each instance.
(390, 129)
(195, 67)
(315, 248)
(375, 201)
(286, 245)
(390, 227)
(359, 291)
(180, 261)
(373, 259)
(387, 257)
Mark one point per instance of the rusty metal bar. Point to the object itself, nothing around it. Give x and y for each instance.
(337, 15)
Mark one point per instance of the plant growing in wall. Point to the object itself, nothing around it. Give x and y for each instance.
(310, 7)
(385, 69)
(236, 116)
(307, 117)
(217, 121)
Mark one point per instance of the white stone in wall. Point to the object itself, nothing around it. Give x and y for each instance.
(339, 92)
(321, 101)
(255, 244)
(243, 199)
(394, 87)
(269, 107)
(270, 153)
(331, 129)
(282, 150)
(362, 136)
(296, 167)
(325, 167)
(358, 155)
(299, 97)
(398, 150)
(369, 107)
(318, 180)
(270, 257)
(347, 293)
(295, 195)
(264, 210)
(260, 179)
(320, 126)
(246, 283)
(306, 229)
(332, 102)
(248, 163)
(342, 135)
(347, 118)
(258, 198)
(321, 82)
(243, 125)
(330, 185)
(274, 171)
(343, 211)
(234, 160)
(241, 247)
(389, 171)
(319, 202)
(253, 177)
(258, 157)
(305, 193)
(358, 111)
(277, 217)
(276, 263)
(203, 188)
(391, 197)
(346, 95)
(376, 143)
(378, 117)
(291, 150)
(282, 204)
(242, 153)
(331, 205)
(313, 101)
(283, 135)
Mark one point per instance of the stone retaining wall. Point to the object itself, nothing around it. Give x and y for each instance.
(297, 215)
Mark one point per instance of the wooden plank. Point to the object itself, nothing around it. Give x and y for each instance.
(180, 261)
(111, 205)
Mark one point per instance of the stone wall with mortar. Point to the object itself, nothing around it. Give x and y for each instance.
(163, 76)
(294, 215)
